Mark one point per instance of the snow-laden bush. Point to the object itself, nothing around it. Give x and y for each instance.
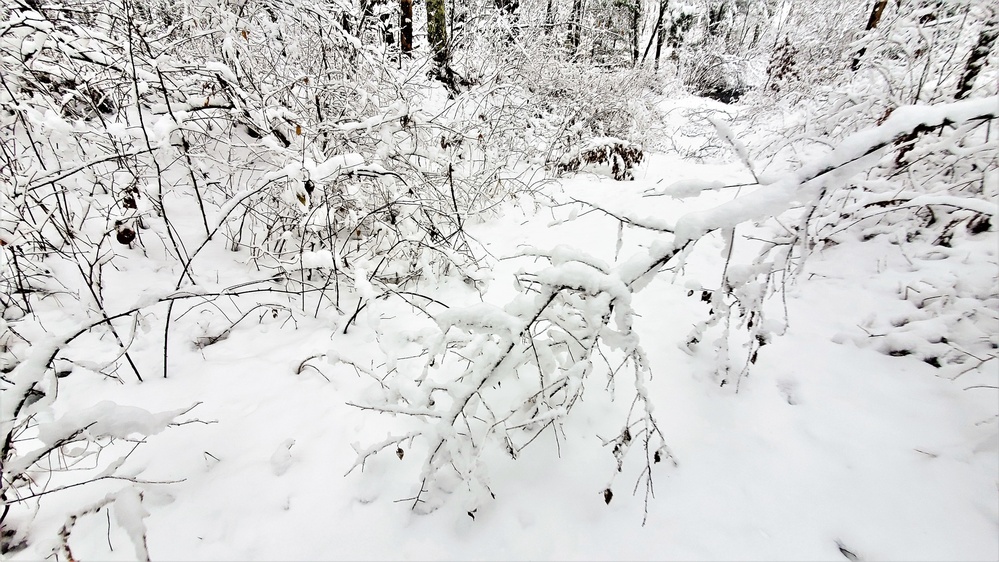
(325, 171)
(490, 379)
(932, 196)
(720, 77)
(152, 149)
(585, 103)
(148, 147)
(618, 156)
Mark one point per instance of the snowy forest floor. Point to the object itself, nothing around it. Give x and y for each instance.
(830, 449)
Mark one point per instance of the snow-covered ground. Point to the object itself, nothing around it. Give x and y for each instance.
(829, 450)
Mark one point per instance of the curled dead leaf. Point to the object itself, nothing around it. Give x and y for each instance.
(125, 236)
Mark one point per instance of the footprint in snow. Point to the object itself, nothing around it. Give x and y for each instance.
(281, 459)
(788, 389)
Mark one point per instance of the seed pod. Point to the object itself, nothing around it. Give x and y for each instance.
(399, 452)
(608, 495)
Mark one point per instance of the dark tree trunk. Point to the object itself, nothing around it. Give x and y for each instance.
(437, 37)
(655, 29)
(872, 22)
(976, 60)
(636, 17)
(388, 34)
(716, 15)
(406, 26)
(550, 17)
(660, 39)
(575, 25)
(875, 19)
(661, 36)
(437, 32)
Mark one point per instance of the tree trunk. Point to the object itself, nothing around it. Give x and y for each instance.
(636, 17)
(661, 36)
(575, 25)
(716, 15)
(549, 17)
(872, 22)
(406, 26)
(437, 38)
(437, 32)
(976, 60)
(875, 19)
(655, 30)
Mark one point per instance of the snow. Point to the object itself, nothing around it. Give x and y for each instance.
(129, 513)
(482, 316)
(829, 444)
(321, 258)
(826, 445)
(689, 187)
(106, 418)
(773, 199)
(282, 459)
